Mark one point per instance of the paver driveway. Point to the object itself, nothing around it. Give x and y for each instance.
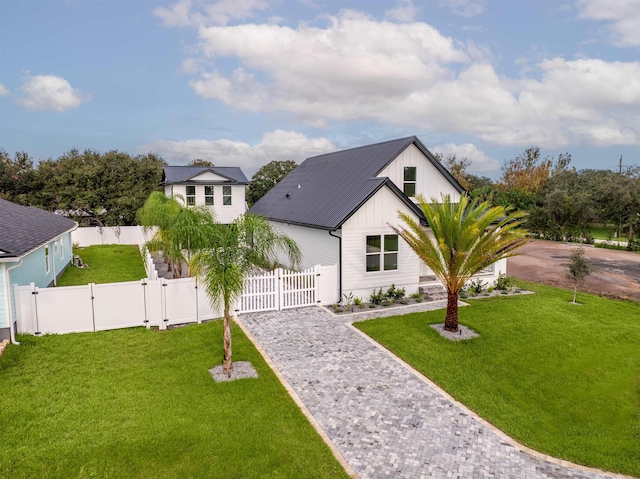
(383, 418)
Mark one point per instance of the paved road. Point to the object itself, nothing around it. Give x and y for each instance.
(384, 419)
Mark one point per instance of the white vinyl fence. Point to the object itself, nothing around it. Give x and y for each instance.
(163, 302)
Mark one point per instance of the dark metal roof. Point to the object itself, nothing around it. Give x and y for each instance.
(23, 228)
(183, 174)
(324, 191)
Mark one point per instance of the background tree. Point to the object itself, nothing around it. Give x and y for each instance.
(18, 178)
(231, 254)
(458, 168)
(467, 238)
(529, 172)
(578, 269)
(267, 177)
(200, 162)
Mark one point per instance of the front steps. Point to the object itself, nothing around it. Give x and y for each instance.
(433, 291)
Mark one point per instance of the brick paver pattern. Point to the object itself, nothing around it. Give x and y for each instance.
(383, 418)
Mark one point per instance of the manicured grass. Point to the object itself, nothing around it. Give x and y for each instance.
(560, 378)
(605, 233)
(107, 264)
(141, 404)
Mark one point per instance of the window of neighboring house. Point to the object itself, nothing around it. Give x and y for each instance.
(410, 181)
(46, 258)
(191, 195)
(55, 248)
(208, 195)
(61, 249)
(226, 195)
(382, 252)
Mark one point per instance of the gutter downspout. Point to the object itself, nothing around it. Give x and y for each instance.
(340, 263)
(12, 333)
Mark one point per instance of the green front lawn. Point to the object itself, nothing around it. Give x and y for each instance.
(560, 378)
(107, 264)
(139, 403)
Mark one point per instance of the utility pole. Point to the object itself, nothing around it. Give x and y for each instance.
(620, 167)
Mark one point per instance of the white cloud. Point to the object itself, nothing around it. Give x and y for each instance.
(357, 68)
(274, 145)
(181, 13)
(480, 162)
(50, 92)
(4, 91)
(623, 15)
(404, 11)
(465, 8)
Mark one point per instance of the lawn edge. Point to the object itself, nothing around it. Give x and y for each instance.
(512, 442)
(301, 405)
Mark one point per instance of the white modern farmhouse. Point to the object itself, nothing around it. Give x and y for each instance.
(222, 188)
(338, 208)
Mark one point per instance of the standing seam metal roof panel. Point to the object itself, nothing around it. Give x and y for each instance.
(325, 190)
(182, 174)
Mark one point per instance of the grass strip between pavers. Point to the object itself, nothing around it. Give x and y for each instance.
(139, 403)
(560, 378)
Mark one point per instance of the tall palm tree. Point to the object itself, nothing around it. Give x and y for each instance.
(467, 238)
(233, 251)
(180, 229)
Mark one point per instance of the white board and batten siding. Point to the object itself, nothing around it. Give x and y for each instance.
(373, 218)
(429, 181)
(316, 245)
(224, 213)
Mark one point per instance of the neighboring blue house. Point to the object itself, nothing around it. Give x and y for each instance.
(35, 247)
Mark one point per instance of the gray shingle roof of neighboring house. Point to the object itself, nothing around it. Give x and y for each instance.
(324, 191)
(23, 228)
(184, 174)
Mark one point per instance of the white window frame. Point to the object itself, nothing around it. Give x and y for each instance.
(382, 253)
(47, 257)
(190, 199)
(225, 196)
(409, 182)
(206, 196)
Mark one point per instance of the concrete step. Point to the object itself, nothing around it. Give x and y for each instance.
(433, 292)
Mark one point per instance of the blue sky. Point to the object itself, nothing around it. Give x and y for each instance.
(244, 82)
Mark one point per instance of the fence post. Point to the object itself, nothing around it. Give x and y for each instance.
(198, 320)
(163, 305)
(34, 309)
(279, 290)
(93, 309)
(316, 279)
(144, 302)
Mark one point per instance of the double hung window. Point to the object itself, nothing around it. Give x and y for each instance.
(208, 195)
(191, 195)
(226, 195)
(382, 252)
(410, 181)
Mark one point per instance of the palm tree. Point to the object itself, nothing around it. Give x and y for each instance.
(232, 253)
(180, 229)
(467, 238)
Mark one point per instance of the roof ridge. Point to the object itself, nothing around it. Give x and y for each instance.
(412, 137)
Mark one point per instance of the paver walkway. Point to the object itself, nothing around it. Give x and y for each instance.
(382, 417)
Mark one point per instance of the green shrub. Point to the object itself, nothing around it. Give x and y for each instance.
(377, 298)
(503, 282)
(393, 293)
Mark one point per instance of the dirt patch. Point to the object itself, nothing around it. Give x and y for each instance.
(616, 274)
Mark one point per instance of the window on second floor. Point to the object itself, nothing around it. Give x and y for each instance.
(410, 181)
(226, 195)
(191, 195)
(382, 252)
(208, 195)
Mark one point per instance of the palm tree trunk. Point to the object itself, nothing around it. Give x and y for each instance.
(575, 290)
(451, 320)
(227, 365)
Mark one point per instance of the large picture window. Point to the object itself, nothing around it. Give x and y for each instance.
(208, 195)
(191, 195)
(382, 252)
(410, 181)
(226, 195)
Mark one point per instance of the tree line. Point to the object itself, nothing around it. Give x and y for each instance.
(89, 187)
(562, 203)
